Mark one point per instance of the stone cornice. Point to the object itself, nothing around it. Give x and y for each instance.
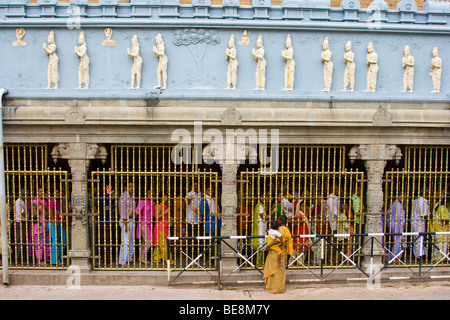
(163, 12)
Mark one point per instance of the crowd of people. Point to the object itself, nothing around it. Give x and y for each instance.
(343, 215)
(41, 228)
(125, 227)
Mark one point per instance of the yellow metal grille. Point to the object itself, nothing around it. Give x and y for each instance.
(155, 178)
(37, 206)
(307, 199)
(25, 157)
(303, 158)
(417, 200)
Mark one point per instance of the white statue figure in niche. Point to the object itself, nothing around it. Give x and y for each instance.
(408, 65)
(245, 40)
(159, 52)
(83, 69)
(231, 57)
(53, 61)
(109, 41)
(327, 65)
(137, 63)
(349, 73)
(20, 33)
(372, 73)
(289, 70)
(436, 69)
(258, 55)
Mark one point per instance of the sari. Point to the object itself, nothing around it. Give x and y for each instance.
(301, 227)
(440, 223)
(144, 226)
(160, 233)
(41, 238)
(275, 275)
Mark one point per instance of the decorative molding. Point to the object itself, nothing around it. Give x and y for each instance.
(382, 117)
(231, 116)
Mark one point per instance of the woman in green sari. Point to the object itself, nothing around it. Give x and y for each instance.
(276, 208)
(440, 223)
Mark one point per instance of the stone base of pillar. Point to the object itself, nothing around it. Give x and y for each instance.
(229, 263)
(372, 260)
(80, 260)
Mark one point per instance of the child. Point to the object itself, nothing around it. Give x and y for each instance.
(274, 240)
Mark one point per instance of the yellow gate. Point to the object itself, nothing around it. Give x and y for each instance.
(38, 209)
(145, 198)
(310, 185)
(417, 201)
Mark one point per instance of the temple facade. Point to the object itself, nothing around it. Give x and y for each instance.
(292, 103)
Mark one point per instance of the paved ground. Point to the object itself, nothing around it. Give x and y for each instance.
(431, 290)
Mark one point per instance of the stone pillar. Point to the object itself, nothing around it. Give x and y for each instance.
(229, 210)
(229, 155)
(79, 156)
(374, 157)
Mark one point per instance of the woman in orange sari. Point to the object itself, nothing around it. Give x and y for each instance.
(161, 231)
(274, 273)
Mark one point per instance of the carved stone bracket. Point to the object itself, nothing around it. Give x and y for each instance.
(375, 152)
(229, 152)
(79, 151)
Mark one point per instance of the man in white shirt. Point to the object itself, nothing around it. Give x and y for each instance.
(333, 206)
(420, 214)
(20, 227)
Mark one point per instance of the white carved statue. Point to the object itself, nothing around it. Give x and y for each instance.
(349, 73)
(53, 61)
(83, 69)
(20, 33)
(231, 57)
(245, 40)
(289, 70)
(159, 52)
(327, 65)
(137, 63)
(436, 69)
(408, 65)
(108, 41)
(258, 55)
(372, 73)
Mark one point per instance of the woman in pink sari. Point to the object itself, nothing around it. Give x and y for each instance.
(161, 231)
(146, 211)
(41, 236)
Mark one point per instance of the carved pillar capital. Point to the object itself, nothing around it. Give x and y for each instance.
(79, 151)
(375, 152)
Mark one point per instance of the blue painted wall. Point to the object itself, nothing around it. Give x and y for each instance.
(200, 65)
